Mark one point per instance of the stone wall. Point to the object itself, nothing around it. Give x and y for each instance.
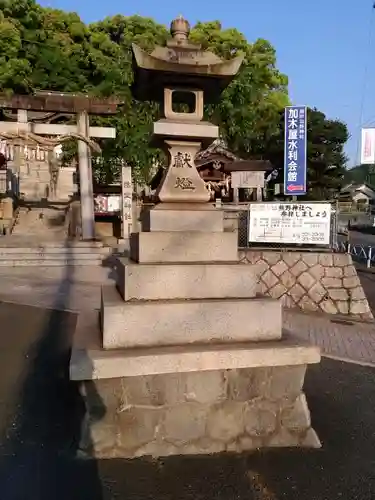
(39, 179)
(197, 413)
(312, 281)
(66, 186)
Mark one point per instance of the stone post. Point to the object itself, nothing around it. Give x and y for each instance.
(126, 201)
(19, 150)
(85, 174)
(3, 181)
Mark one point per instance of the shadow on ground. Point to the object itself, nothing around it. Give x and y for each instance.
(41, 413)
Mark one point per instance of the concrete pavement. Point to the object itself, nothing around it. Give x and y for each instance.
(41, 412)
(338, 337)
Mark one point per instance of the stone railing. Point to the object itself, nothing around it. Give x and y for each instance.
(313, 281)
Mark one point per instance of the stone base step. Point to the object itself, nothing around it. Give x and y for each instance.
(178, 322)
(186, 281)
(59, 262)
(47, 275)
(53, 252)
(50, 251)
(168, 219)
(54, 256)
(89, 361)
(187, 246)
(20, 241)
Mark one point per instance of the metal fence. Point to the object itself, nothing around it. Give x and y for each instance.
(237, 219)
(363, 254)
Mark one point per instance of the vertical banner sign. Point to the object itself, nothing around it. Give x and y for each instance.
(368, 146)
(127, 195)
(295, 172)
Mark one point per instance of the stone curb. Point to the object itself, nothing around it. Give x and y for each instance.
(328, 317)
(348, 360)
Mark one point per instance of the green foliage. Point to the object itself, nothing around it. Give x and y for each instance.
(360, 174)
(43, 48)
(326, 160)
(14, 71)
(248, 112)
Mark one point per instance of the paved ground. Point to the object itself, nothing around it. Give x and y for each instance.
(40, 414)
(367, 277)
(338, 338)
(362, 238)
(40, 411)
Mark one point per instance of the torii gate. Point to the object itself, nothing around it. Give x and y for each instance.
(68, 104)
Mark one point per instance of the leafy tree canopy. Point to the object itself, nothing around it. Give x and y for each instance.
(43, 48)
(360, 174)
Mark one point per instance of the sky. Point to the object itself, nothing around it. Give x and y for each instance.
(325, 47)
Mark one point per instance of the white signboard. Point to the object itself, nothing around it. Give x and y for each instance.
(114, 203)
(104, 204)
(368, 146)
(290, 223)
(127, 196)
(247, 180)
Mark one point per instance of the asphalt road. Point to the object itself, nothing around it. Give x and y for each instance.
(360, 238)
(40, 415)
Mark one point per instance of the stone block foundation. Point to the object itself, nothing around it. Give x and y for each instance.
(196, 413)
(312, 281)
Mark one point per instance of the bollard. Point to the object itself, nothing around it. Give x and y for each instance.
(369, 256)
(7, 206)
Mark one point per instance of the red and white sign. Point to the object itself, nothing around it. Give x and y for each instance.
(368, 146)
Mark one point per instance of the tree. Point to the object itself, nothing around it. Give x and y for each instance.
(360, 174)
(51, 49)
(248, 113)
(326, 160)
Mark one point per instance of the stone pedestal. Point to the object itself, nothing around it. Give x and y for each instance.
(197, 413)
(189, 359)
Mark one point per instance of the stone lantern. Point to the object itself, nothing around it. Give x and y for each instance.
(190, 358)
(182, 78)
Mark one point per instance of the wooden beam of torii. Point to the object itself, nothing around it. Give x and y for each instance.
(79, 105)
(60, 102)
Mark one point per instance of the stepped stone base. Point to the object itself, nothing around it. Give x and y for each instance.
(191, 399)
(183, 220)
(188, 246)
(197, 413)
(181, 368)
(185, 281)
(29, 251)
(89, 361)
(177, 322)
